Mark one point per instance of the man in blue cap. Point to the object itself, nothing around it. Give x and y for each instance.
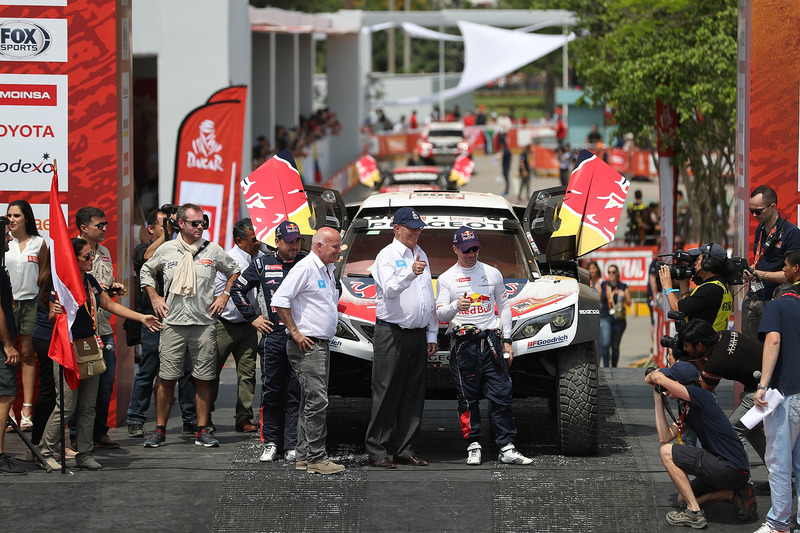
(406, 329)
(720, 467)
(710, 300)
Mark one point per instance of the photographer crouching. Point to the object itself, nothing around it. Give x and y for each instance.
(710, 300)
(720, 468)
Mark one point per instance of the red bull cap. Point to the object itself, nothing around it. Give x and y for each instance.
(287, 231)
(465, 238)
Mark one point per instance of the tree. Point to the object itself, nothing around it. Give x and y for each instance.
(632, 52)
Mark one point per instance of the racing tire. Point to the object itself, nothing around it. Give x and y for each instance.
(578, 413)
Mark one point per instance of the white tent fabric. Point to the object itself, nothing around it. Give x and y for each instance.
(415, 30)
(489, 53)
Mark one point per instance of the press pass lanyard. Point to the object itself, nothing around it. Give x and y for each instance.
(759, 250)
(679, 422)
(90, 308)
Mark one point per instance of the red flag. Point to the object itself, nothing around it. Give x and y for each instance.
(68, 283)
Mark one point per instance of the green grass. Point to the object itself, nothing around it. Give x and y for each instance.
(532, 106)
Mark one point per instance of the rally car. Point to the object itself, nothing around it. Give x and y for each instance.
(412, 178)
(555, 312)
(440, 143)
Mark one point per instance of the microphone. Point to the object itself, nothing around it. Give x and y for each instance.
(757, 375)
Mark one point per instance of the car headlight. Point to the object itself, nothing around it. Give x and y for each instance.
(344, 332)
(463, 146)
(558, 320)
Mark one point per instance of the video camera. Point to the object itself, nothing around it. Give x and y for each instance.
(737, 267)
(682, 266)
(171, 221)
(672, 342)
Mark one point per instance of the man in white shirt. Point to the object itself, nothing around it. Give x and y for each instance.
(235, 335)
(481, 350)
(306, 303)
(405, 334)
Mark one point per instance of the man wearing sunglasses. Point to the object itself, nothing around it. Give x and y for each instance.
(774, 235)
(190, 265)
(235, 335)
(92, 225)
(480, 351)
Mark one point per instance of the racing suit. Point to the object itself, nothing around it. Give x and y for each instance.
(476, 351)
(277, 377)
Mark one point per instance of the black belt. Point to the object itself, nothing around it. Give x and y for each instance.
(379, 322)
(317, 340)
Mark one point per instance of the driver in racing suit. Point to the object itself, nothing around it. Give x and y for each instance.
(467, 294)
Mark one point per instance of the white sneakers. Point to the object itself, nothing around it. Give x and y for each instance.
(510, 455)
(290, 455)
(474, 454)
(270, 453)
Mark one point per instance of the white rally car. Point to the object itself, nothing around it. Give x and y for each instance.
(555, 312)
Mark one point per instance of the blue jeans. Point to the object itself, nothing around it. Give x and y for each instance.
(104, 389)
(782, 429)
(611, 331)
(142, 389)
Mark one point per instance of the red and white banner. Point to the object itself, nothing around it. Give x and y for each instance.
(633, 263)
(208, 161)
(68, 284)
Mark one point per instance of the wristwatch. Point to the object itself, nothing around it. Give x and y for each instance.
(507, 341)
(760, 387)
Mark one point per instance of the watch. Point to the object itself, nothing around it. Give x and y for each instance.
(507, 341)
(760, 387)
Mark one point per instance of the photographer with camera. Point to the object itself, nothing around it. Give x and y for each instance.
(725, 355)
(720, 467)
(774, 235)
(710, 300)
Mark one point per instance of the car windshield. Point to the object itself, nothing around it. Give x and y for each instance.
(446, 133)
(499, 249)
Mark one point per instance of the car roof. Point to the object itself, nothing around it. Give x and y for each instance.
(446, 125)
(442, 199)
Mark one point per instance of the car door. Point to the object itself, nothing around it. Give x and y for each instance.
(327, 208)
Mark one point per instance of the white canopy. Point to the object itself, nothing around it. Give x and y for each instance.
(489, 53)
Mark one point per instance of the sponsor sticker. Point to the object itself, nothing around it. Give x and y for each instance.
(401, 263)
(33, 40)
(547, 342)
(206, 262)
(274, 267)
(273, 275)
(321, 283)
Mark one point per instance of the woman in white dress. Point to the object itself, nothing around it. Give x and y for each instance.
(25, 253)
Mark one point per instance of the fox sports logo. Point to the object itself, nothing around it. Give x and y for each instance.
(21, 39)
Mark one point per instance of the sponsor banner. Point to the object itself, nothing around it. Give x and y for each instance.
(33, 40)
(209, 151)
(633, 263)
(33, 131)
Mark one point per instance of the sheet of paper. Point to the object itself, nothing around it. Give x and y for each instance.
(752, 417)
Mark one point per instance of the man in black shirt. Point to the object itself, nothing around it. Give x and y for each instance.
(720, 467)
(142, 388)
(727, 355)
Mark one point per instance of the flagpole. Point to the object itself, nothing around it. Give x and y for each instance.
(61, 419)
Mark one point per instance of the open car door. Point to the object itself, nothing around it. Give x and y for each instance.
(327, 208)
(563, 224)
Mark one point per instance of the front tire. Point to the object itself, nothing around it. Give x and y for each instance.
(578, 413)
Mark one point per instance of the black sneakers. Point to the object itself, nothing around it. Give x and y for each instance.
(9, 468)
(744, 500)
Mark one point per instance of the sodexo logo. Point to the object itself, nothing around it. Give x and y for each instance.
(19, 166)
(20, 39)
(205, 149)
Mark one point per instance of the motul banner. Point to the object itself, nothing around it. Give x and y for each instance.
(209, 159)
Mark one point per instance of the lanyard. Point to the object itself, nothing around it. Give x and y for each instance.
(90, 308)
(759, 250)
(679, 422)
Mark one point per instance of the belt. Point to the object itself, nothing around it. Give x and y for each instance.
(317, 340)
(379, 322)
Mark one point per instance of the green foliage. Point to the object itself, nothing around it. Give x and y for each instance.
(632, 52)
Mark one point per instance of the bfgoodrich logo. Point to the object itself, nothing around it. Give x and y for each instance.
(21, 39)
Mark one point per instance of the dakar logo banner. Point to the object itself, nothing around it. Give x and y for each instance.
(208, 160)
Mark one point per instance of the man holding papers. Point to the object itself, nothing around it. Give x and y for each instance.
(781, 371)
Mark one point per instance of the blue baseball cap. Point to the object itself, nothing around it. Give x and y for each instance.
(465, 238)
(683, 372)
(288, 231)
(408, 217)
(714, 250)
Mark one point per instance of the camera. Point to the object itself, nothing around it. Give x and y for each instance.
(737, 266)
(682, 266)
(170, 221)
(673, 342)
(649, 370)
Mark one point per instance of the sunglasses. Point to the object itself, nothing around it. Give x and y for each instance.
(101, 225)
(612, 272)
(195, 223)
(472, 250)
(89, 256)
(254, 240)
(757, 212)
